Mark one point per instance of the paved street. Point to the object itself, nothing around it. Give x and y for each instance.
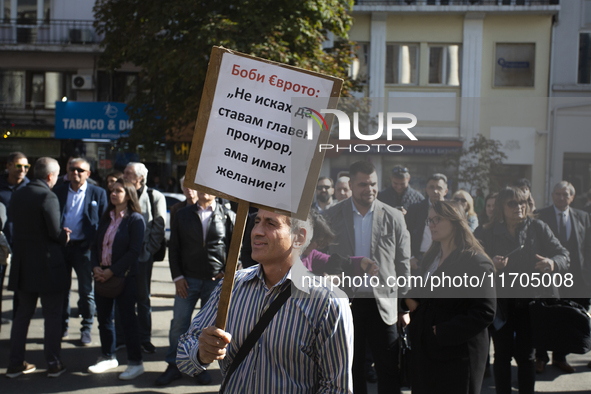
(78, 358)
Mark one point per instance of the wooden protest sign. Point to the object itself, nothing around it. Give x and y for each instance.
(255, 141)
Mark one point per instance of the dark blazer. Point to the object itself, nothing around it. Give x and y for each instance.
(188, 255)
(127, 244)
(452, 360)
(579, 255)
(37, 263)
(537, 238)
(415, 222)
(95, 204)
(390, 249)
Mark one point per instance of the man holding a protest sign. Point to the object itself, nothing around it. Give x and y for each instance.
(367, 227)
(304, 338)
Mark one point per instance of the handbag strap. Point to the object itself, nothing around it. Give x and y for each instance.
(256, 333)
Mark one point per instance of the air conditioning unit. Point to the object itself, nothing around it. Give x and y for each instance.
(82, 81)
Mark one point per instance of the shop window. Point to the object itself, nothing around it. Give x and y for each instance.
(445, 63)
(402, 62)
(12, 89)
(584, 58)
(515, 65)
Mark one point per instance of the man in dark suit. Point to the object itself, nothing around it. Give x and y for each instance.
(81, 207)
(38, 269)
(572, 227)
(400, 194)
(199, 243)
(416, 218)
(367, 227)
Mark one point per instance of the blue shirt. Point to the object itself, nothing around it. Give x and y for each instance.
(306, 348)
(363, 226)
(73, 211)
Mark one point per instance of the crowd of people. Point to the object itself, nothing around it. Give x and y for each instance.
(282, 336)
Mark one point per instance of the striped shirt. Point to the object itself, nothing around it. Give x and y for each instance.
(306, 348)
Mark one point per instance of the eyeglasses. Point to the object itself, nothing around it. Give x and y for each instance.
(21, 166)
(76, 169)
(399, 170)
(323, 187)
(434, 220)
(514, 204)
(462, 200)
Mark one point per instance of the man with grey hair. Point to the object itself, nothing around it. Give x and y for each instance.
(38, 269)
(572, 227)
(81, 205)
(307, 346)
(153, 206)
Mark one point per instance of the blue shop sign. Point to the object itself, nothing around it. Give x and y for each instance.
(102, 120)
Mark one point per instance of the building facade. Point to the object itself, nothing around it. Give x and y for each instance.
(463, 68)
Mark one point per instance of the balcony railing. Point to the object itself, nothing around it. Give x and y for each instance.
(459, 2)
(52, 32)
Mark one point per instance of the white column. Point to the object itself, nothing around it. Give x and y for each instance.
(377, 53)
(471, 75)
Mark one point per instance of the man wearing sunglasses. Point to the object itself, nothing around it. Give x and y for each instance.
(324, 192)
(81, 207)
(13, 179)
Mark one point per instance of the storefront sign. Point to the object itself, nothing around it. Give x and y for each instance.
(100, 120)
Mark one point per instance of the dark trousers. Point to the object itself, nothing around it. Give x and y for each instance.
(51, 304)
(144, 308)
(78, 258)
(2, 275)
(129, 323)
(561, 356)
(514, 339)
(381, 338)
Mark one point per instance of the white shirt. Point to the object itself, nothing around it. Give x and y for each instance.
(566, 218)
(205, 215)
(73, 211)
(362, 225)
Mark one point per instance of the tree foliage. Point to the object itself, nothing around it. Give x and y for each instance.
(171, 42)
(479, 165)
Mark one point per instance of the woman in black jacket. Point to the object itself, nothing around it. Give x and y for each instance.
(448, 327)
(115, 253)
(520, 245)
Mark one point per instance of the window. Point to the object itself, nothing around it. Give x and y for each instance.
(120, 86)
(584, 58)
(12, 89)
(5, 11)
(360, 66)
(26, 12)
(445, 63)
(515, 65)
(45, 88)
(402, 62)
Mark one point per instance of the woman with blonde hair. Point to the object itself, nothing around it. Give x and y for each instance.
(467, 203)
(448, 326)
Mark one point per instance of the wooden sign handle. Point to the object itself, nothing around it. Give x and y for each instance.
(231, 262)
